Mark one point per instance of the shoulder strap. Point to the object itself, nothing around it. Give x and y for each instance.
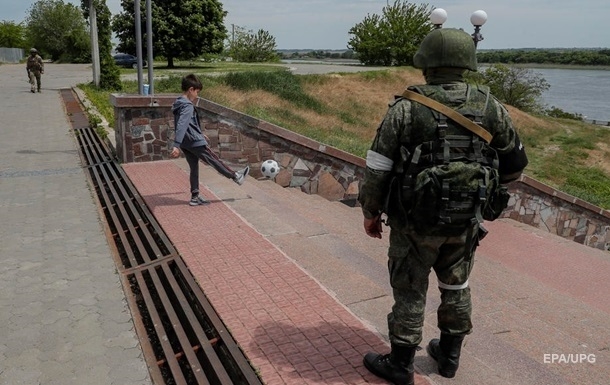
(450, 113)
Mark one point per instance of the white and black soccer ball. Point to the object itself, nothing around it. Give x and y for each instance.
(270, 168)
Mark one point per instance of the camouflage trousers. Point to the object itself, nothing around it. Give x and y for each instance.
(411, 258)
(35, 80)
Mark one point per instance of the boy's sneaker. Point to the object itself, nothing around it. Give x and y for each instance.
(198, 201)
(240, 176)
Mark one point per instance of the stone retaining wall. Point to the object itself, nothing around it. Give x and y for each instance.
(144, 130)
(542, 206)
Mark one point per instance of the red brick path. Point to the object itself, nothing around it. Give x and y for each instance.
(292, 330)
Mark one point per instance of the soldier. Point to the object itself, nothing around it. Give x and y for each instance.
(35, 68)
(436, 180)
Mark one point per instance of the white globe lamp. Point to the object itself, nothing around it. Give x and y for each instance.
(438, 17)
(478, 18)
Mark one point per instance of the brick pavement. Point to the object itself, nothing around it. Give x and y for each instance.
(533, 292)
(289, 326)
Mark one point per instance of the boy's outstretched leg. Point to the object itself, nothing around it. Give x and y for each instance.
(241, 175)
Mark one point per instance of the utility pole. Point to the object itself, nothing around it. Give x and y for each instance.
(138, 23)
(149, 47)
(95, 50)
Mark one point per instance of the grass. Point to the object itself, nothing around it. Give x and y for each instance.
(344, 110)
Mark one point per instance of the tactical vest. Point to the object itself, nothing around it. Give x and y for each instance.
(447, 178)
(33, 64)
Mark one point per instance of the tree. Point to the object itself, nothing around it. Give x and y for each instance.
(110, 75)
(393, 37)
(248, 46)
(59, 30)
(12, 35)
(181, 29)
(516, 86)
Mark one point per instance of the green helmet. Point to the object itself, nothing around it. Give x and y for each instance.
(446, 47)
(33, 50)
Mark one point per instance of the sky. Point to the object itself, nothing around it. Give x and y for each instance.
(324, 24)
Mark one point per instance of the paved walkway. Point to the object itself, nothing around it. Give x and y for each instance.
(62, 308)
(300, 286)
(535, 295)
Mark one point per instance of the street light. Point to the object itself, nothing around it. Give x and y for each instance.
(439, 16)
(478, 18)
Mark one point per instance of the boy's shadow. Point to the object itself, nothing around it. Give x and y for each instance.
(169, 199)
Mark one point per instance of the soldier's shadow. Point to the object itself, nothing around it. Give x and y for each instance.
(327, 352)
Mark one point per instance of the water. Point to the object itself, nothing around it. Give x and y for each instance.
(586, 92)
(582, 91)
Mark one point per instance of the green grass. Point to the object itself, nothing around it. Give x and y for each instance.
(280, 83)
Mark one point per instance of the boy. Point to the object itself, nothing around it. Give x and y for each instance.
(190, 139)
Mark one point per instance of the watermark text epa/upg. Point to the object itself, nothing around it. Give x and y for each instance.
(572, 358)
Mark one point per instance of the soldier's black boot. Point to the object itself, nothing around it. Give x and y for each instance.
(396, 367)
(446, 352)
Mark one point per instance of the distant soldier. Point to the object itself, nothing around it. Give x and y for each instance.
(35, 68)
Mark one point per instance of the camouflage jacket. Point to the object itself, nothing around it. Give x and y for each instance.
(35, 63)
(409, 124)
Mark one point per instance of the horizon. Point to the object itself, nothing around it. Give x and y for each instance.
(479, 49)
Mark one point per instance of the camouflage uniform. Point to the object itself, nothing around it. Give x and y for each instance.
(411, 254)
(35, 68)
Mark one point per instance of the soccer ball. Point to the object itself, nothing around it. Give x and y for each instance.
(270, 168)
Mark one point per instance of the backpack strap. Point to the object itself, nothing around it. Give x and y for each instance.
(450, 113)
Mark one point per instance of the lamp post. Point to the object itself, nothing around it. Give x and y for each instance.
(477, 19)
(439, 16)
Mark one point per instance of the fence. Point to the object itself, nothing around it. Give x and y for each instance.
(11, 55)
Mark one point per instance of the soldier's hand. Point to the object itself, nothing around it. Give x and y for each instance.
(372, 227)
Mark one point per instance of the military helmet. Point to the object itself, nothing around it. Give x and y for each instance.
(446, 47)
(33, 50)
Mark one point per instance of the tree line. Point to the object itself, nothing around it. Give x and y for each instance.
(587, 57)
(195, 30)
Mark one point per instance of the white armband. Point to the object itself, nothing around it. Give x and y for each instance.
(453, 287)
(378, 162)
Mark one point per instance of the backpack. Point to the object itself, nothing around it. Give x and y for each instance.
(445, 185)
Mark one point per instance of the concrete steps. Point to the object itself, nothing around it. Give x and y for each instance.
(522, 315)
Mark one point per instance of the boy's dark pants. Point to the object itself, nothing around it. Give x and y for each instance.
(194, 154)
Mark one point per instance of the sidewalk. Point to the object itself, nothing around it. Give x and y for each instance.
(63, 313)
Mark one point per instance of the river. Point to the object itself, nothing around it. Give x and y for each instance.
(578, 91)
(582, 91)
(586, 92)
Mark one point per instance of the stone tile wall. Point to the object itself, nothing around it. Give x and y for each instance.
(542, 206)
(144, 130)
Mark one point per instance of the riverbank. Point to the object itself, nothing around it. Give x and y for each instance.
(552, 66)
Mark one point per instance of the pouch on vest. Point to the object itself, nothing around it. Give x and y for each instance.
(446, 198)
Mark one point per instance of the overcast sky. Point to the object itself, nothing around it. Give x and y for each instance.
(324, 24)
